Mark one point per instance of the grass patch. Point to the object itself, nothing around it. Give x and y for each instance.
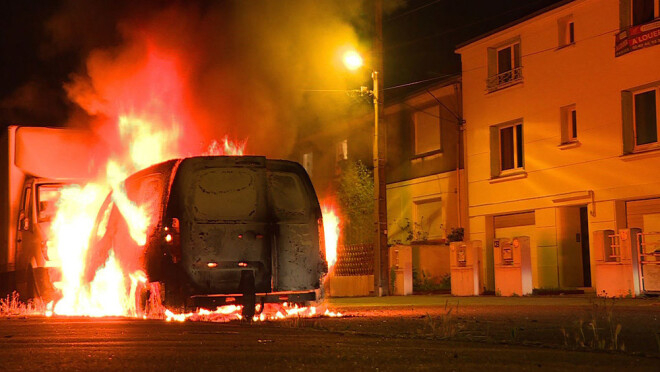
(13, 306)
(600, 332)
(444, 326)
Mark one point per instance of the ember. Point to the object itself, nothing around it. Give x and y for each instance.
(269, 312)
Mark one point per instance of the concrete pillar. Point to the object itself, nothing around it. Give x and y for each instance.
(544, 254)
(481, 228)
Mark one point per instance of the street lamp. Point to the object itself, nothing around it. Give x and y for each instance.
(353, 61)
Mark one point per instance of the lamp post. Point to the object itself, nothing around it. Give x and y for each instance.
(353, 61)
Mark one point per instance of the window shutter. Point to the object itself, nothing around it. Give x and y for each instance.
(627, 122)
(492, 62)
(563, 119)
(624, 14)
(516, 55)
(494, 151)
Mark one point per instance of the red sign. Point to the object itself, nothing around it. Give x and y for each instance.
(637, 37)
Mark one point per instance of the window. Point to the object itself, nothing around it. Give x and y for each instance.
(307, 162)
(341, 149)
(640, 118)
(637, 12)
(644, 11)
(504, 66)
(287, 196)
(428, 219)
(507, 154)
(47, 195)
(427, 130)
(645, 117)
(566, 28)
(221, 194)
(569, 128)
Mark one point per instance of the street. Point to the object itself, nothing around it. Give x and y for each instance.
(399, 334)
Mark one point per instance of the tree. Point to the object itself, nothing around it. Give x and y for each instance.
(356, 198)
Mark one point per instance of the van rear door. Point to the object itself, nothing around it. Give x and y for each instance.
(295, 208)
(224, 222)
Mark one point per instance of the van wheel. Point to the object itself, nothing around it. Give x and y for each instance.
(175, 296)
(248, 290)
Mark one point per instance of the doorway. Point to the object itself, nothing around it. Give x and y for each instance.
(584, 242)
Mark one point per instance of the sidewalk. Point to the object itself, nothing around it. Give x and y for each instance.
(442, 300)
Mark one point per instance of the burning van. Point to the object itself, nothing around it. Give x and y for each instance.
(219, 229)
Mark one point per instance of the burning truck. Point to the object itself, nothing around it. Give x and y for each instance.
(36, 163)
(220, 230)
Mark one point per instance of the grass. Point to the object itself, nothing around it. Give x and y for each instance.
(13, 306)
(600, 332)
(444, 326)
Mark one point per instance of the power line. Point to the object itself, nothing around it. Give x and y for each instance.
(419, 81)
(412, 10)
(553, 48)
(450, 30)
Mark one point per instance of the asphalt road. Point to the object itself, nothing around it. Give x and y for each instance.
(67, 344)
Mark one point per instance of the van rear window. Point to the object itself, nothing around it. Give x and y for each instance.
(225, 194)
(287, 196)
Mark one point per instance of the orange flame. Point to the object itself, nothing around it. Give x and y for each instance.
(331, 231)
(148, 132)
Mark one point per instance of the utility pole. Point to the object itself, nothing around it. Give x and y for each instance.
(381, 250)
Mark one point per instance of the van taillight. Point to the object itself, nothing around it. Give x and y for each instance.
(321, 237)
(172, 239)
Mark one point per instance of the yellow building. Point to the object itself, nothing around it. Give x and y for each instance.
(426, 186)
(562, 114)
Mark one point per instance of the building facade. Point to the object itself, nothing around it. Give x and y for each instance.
(562, 114)
(424, 169)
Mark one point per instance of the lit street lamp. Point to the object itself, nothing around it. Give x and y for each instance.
(353, 61)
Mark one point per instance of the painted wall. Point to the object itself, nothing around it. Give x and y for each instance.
(401, 199)
(594, 171)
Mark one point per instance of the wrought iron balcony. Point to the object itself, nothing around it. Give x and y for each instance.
(505, 79)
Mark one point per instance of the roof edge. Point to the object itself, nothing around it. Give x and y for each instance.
(512, 23)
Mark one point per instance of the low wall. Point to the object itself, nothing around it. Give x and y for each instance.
(431, 259)
(350, 286)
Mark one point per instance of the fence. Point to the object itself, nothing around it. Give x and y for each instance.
(354, 260)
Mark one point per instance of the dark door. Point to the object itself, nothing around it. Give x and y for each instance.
(224, 223)
(584, 232)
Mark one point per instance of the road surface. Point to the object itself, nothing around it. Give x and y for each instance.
(69, 344)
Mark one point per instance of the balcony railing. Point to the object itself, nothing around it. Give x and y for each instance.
(505, 79)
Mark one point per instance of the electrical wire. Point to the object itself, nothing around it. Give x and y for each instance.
(553, 48)
(400, 15)
(450, 30)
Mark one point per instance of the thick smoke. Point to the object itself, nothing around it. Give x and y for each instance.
(247, 69)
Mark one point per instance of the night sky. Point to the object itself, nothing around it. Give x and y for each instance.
(39, 55)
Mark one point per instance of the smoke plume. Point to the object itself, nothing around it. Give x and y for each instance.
(257, 70)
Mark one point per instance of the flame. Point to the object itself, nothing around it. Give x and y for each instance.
(270, 312)
(148, 133)
(149, 143)
(331, 231)
(228, 148)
